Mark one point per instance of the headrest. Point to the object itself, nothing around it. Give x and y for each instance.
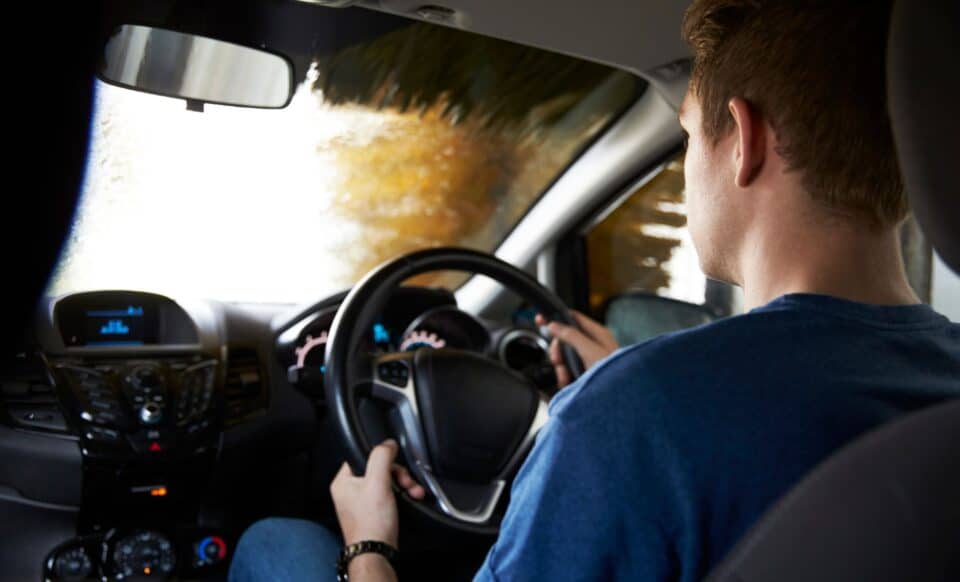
(924, 98)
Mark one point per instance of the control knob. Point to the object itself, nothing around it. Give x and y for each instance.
(151, 414)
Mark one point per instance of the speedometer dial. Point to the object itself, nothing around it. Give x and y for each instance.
(446, 327)
(303, 351)
(421, 339)
(312, 351)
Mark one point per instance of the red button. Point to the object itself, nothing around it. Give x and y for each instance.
(155, 447)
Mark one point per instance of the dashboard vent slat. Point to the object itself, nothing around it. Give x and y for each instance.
(243, 386)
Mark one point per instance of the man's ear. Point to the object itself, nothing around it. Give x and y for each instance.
(750, 151)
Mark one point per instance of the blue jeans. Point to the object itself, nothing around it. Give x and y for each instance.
(279, 548)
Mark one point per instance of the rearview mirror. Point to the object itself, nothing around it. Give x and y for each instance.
(195, 68)
(637, 317)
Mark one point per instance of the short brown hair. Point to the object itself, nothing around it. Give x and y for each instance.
(815, 70)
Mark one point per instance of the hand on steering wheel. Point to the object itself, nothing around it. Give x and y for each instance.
(464, 422)
(592, 342)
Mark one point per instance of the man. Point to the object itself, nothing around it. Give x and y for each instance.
(656, 461)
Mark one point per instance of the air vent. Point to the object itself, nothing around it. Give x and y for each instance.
(527, 352)
(243, 388)
(26, 398)
(520, 349)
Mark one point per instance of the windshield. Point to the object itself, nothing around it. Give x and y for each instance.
(290, 206)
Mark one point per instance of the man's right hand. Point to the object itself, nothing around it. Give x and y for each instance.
(593, 342)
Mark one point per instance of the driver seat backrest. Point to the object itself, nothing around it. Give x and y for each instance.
(886, 508)
(883, 509)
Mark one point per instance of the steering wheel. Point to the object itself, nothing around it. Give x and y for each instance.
(464, 422)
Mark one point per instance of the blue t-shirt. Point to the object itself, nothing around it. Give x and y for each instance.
(659, 459)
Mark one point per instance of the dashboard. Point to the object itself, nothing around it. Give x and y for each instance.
(137, 373)
(165, 402)
(415, 319)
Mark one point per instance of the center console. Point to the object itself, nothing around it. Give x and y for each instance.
(133, 408)
(145, 396)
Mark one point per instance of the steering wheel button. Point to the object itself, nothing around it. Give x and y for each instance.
(395, 373)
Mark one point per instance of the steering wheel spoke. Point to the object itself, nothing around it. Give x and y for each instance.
(394, 383)
(470, 503)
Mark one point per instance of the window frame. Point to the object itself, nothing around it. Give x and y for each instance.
(571, 265)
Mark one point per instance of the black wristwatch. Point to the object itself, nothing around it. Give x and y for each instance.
(365, 547)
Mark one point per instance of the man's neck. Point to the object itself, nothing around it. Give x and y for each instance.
(840, 260)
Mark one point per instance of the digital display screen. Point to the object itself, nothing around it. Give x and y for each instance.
(115, 327)
(122, 319)
(108, 321)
